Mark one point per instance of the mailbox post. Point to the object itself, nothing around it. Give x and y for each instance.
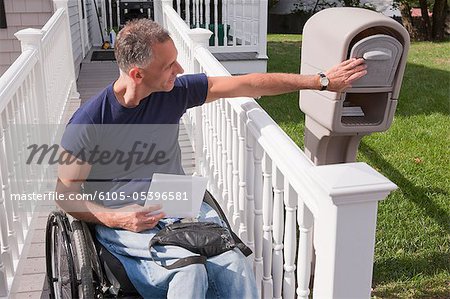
(336, 122)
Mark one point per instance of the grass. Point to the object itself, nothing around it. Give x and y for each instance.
(412, 251)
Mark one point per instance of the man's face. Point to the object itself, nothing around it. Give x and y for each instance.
(163, 69)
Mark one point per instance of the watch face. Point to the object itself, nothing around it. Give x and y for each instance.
(324, 81)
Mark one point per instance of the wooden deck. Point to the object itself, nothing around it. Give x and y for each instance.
(29, 281)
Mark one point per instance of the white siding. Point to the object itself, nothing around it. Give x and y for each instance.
(74, 19)
(93, 28)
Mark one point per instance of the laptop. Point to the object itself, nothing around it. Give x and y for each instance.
(180, 196)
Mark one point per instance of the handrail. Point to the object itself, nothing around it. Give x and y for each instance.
(15, 75)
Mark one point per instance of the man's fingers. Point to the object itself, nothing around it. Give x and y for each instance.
(355, 76)
(353, 63)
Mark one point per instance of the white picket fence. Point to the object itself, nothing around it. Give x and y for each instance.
(271, 190)
(33, 92)
(237, 25)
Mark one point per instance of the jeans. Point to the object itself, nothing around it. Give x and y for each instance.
(228, 275)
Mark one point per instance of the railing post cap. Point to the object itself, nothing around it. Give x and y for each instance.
(60, 3)
(349, 183)
(200, 35)
(30, 36)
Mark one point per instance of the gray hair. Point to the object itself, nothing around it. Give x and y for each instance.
(134, 43)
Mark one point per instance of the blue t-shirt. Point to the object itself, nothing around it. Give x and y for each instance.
(125, 146)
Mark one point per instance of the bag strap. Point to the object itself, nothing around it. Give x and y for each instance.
(209, 199)
(186, 261)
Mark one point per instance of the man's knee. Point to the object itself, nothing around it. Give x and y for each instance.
(195, 274)
(189, 282)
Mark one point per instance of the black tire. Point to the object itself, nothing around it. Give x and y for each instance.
(61, 276)
(86, 288)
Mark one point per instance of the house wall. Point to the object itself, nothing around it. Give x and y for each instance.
(75, 29)
(93, 27)
(20, 14)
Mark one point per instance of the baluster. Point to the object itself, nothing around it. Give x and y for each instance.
(249, 172)
(13, 174)
(21, 129)
(229, 158)
(243, 31)
(187, 12)
(210, 148)
(253, 21)
(225, 22)
(207, 14)
(235, 157)
(224, 153)
(267, 288)
(197, 131)
(6, 256)
(202, 12)
(216, 24)
(205, 170)
(305, 248)
(278, 230)
(242, 182)
(179, 8)
(214, 143)
(290, 241)
(258, 229)
(197, 12)
(5, 169)
(234, 23)
(219, 148)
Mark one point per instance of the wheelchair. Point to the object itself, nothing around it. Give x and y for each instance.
(79, 266)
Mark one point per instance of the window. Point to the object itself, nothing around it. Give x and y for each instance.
(2, 15)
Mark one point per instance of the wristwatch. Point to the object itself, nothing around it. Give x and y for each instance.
(324, 81)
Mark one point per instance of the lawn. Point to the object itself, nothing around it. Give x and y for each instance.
(412, 252)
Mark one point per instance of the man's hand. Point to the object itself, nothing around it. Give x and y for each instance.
(136, 218)
(344, 74)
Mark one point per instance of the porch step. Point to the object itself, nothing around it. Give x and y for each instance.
(242, 62)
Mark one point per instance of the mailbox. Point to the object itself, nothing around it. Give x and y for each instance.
(336, 122)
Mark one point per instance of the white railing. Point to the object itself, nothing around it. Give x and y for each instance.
(237, 25)
(33, 93)
(271, 191)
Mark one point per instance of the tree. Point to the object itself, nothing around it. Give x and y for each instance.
(430, 30)
(440, 10)
(405, 11)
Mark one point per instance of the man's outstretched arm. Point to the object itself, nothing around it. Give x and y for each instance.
(255, 85)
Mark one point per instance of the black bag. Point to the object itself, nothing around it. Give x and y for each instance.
(204, 238)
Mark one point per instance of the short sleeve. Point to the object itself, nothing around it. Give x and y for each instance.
(196, 89)
(80, 136)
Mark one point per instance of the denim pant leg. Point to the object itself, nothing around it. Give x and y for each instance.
(228, 275)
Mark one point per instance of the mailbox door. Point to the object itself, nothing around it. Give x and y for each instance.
(382, 54)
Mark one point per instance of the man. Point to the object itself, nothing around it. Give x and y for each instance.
(149, 92)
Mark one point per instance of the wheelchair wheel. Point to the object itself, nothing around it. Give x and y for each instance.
(69, 273)
(82, 264)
